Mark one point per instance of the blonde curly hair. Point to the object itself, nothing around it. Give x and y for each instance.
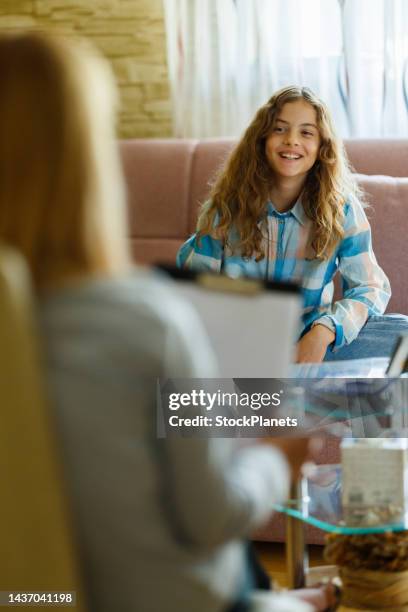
(240, 192)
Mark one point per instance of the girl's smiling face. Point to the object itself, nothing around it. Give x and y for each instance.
(293, 145)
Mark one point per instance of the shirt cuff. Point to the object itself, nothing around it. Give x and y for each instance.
(331, 323)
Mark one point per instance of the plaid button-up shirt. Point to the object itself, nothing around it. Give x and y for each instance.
(366, 289)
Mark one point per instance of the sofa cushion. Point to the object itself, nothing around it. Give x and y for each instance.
(388, 215)
(209, 157)
(378, 155)
(150, 251)
(158, 175)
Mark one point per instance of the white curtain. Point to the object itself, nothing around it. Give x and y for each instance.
(375, 35)
(227, 57)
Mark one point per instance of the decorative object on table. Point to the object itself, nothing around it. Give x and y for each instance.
(375, 480)
(373, 569)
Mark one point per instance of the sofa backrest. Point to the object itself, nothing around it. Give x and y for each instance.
(168, 179)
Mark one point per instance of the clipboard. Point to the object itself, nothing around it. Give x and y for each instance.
(253, 325)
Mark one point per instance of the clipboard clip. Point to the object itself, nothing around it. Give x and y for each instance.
(241, 285)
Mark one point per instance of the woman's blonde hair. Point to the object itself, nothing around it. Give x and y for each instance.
(61, 188)
(241, 191)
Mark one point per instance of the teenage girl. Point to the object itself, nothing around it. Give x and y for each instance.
(287, 207)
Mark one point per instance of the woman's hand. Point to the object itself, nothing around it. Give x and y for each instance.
(325, 597)
(296, 450)
(313, 346)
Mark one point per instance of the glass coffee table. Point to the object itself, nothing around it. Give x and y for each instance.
(316, 500)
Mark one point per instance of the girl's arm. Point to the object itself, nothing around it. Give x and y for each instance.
(201, 254)
(366, 288)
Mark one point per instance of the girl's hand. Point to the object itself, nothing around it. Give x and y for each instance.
(313, 346)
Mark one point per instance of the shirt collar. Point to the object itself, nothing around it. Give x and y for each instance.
(296, 211)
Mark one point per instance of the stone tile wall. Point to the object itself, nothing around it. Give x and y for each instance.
(130, 33)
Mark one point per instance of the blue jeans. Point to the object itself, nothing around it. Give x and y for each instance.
(377, 338)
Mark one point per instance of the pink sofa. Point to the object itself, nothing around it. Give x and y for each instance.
(167, 180)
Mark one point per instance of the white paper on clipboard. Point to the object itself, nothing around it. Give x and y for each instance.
(252, 335)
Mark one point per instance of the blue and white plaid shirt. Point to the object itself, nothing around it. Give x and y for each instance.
(366, 289)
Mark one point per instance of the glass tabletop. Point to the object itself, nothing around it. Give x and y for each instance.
(354, 368)
(340, 407)
(319, 504)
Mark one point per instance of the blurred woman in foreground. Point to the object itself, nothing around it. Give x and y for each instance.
(160, 522)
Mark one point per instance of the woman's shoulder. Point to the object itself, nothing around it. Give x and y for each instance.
(141, 295)
(142, 313)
